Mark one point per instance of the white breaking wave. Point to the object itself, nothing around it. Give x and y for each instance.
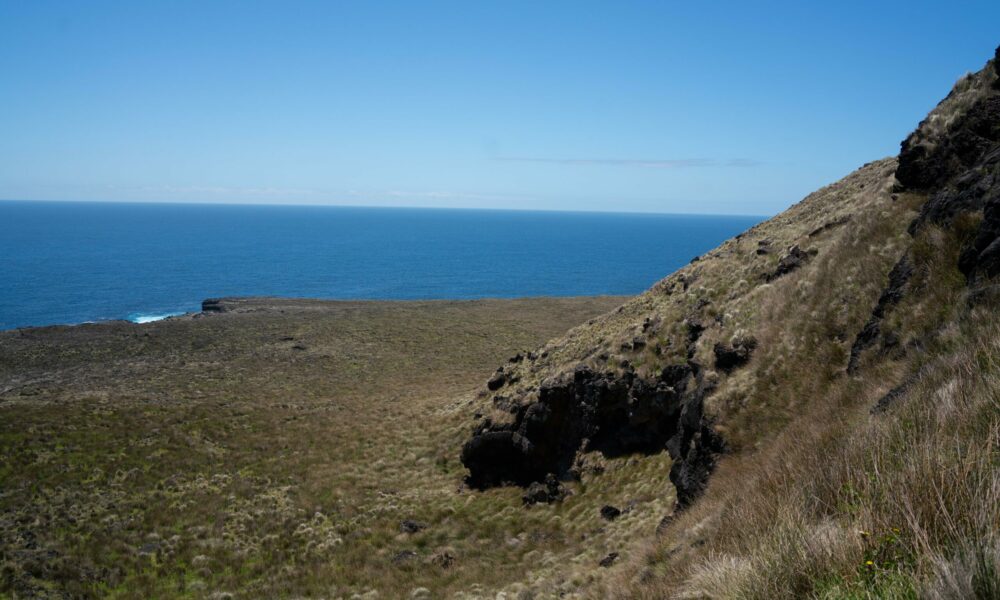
(140, 318)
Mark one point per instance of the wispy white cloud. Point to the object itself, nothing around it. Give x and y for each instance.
(218, 190)
(443, 195)
(672, 163)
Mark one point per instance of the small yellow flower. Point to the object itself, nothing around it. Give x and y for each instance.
(869, 563)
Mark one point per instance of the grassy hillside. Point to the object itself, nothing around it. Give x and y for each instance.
(825, 385)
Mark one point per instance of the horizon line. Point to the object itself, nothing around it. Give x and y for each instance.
(396, 207)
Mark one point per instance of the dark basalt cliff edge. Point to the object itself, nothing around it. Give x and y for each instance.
(957, 163)
(639, 379)
(953, 158)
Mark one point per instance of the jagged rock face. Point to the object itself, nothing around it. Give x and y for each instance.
(958, 164)
(613, 413)
(935, 154)
(981, 258)
(960, 169)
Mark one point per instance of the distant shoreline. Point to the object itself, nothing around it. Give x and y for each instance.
(256, 304)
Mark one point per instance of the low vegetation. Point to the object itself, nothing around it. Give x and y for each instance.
(277, 451)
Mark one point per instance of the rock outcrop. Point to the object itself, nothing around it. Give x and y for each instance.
(891, 295)
(214, 305)
(610, 412)
(730, 356)
(792, 260)
(954, 157)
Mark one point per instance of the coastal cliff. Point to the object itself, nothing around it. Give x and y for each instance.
(814, 326)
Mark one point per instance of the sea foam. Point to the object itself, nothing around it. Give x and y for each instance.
(141, 318)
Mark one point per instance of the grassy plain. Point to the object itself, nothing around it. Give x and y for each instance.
(276, 451)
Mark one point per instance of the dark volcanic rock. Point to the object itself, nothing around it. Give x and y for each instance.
(958, 165)
(500, 457)
(695, 329)
(614, 413)
(981, 258)
(214, 305)
(411, 526)
(891, 295)
(536, 493)
(728, 358)
(496, 382)
(694, 449)
(610, 513)
(544, 493)
(795, 258)
(890, 397)
(929, 164)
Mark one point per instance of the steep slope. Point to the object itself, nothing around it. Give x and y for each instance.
(637, 379)
(836, 366)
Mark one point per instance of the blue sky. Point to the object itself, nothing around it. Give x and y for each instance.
(624, 106)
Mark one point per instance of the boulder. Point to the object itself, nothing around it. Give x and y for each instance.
(496, 382)
(404, 557)
(792, 260)
(544, 493)
(411, 526)
(610, 513)
(729, 357)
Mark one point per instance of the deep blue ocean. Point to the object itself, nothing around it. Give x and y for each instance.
(68, 262)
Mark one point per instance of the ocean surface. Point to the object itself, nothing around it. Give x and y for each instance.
(69, 262)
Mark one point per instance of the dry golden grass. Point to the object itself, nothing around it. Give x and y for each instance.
(842, 503)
